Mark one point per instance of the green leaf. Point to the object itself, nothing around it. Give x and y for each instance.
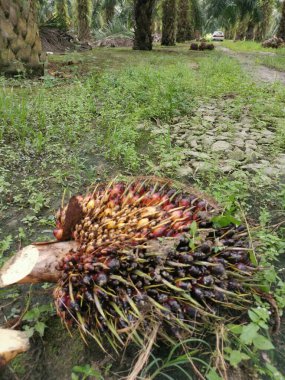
(249, 332)
(253, 258)
(262, 343)
(193, 228)
(273, 372)
(45, 308)
(258, 314)
(81, 369)
(260, 317)
(5, 244)
(32, 315)
(40, 328)
(87, 370)
(253, 315)
(225, 220)
(235, 329)
(29, 331)
(212, 375)
(236, 357)
(35, 313)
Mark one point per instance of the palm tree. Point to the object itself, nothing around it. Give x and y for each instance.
(126, 12)
(225, 14)
(196, 18)
(281, 29)
(168, 23)
(97, 19)
(183, 21)
(20, 44)
(109, 7)
(248, 19)
(266, 10)
(62, 13)
(84, 14)
(143, 11)
(250, 34)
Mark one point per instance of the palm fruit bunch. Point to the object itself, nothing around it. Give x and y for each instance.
(274, 42)
(203, 46)
(194, 46)
(149, 253)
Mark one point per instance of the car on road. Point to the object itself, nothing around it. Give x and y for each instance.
(218, 36)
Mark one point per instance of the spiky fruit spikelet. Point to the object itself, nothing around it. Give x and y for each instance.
(119, 214)
(123, 279)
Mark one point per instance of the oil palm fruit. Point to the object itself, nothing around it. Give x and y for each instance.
(132, 212)
(203, 46)
(149, 253)
(194, 46)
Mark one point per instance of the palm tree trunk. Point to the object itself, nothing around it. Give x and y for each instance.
(143, 10)
(83, 14)
(168, 23)
(249, 36)
(20, 44)
(241, 31)
(110, 11)
(281, 29)
(196, 18)
(62, 13)
(266, 9)
(183, 21)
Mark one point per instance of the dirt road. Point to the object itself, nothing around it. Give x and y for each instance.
(258, 72)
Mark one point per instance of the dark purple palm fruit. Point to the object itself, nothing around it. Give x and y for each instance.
(194, 46)
(203, 46)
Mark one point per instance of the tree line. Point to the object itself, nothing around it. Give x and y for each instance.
(175, 20)
(172, 20)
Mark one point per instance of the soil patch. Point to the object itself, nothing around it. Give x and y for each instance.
(55, 40)
(58, 41)
(115, 42)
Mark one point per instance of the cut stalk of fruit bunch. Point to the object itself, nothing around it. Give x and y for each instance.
(35, 263)
(12, 343)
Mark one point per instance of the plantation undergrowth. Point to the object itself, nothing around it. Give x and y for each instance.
(171, 113)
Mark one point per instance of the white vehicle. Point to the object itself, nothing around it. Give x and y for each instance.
(218, 36)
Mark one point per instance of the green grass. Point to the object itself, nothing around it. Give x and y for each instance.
(275, 62)
(275, 59)
(164, 88)
(117, 112)
(247, 46)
